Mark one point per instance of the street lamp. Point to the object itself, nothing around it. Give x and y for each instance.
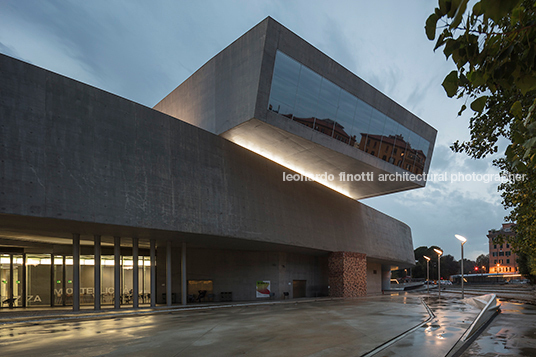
(427, 273)
(463, 240)
(439, 254)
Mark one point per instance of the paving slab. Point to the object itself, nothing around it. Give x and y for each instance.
(437, 337)
(321, 328)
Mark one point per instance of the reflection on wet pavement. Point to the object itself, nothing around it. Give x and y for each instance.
(326, 328)
(334, 328)
(437, 337)
(511, 333)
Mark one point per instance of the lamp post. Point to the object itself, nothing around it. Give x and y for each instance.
(439, 254)
(427, 273)
(463, 240)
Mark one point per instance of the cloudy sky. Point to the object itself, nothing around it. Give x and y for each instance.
(142, 50)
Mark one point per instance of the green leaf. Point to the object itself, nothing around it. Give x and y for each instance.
(441, 39)
(451, 45)
(462, 109)
(478, 104)
(526, 84)
(430, 27)
(497, 9)
(477, 9)
(451, 83)
(517, 109)
(459, 14)
(444, 6)
(455, 4)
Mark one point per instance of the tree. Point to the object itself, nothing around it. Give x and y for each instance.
(420, 266)
(468, 266)
(482, 261)
(526, 267)
(449, 266)
(494, 48)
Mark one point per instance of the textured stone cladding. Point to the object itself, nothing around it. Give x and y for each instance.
(347, 274)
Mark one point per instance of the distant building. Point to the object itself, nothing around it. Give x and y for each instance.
(501, 257)
(395, 150)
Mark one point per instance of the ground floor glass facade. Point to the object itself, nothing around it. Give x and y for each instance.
(28, 280)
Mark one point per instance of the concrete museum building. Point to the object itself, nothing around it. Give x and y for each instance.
(208, 193)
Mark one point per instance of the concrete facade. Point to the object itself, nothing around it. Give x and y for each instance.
(223, 104)
(73, 152)
(80, 163)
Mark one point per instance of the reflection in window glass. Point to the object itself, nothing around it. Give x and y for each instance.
(304, 96)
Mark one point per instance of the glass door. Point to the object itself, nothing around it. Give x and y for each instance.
(5, 277)
(11, 280)
(18, 280)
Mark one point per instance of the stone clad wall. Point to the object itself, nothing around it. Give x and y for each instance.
(347, 274)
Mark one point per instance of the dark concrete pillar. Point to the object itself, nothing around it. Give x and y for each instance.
(76, 272)
(386, 277)
(135, 271)
(11, 282)
(64, 281)
(97, 272)
(117, 273)
(184, 282)
(153, 273)
(347, 274)
(24, 281)
(52, 282)
(168, 273)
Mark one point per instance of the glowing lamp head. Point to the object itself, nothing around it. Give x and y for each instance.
(427, 258)
(461, 238)
(439, 252)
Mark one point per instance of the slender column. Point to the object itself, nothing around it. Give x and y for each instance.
(52, 282)
(135, 271)
(462, 272)
(184, 292)
(117, 272)
(153, 273)
(168, 273)
(97, 272)
(11, 282)
(23, 280)
(64, 282)
(386, 277)
(76, 272)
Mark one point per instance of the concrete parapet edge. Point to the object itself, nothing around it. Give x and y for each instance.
(490, 309)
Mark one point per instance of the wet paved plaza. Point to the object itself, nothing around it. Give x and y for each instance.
(511, 333)
(326, 328)
(306, 328)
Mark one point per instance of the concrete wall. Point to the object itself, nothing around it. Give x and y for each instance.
(374, 278)
(237, 271)
(223, 91)
(72, 152)
(234, 86)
